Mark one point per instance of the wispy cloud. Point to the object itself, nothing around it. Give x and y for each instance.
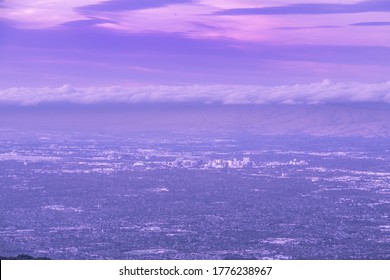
(101, 42)
(43, 14)
(314, 93)
(238, 20)
(307, 27)
(372, 23)
(313, 8)
(122, 5)
(87, 22)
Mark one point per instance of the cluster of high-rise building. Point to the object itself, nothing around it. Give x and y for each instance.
(235, 163)
(187, 163)
(215, 163)
(296, 162)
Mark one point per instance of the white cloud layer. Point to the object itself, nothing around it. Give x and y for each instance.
(314, 93)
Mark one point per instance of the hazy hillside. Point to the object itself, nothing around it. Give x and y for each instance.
(369, 120)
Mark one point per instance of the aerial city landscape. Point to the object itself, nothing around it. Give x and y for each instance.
(144, 197)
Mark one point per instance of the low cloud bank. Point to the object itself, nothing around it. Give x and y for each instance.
(313, 93)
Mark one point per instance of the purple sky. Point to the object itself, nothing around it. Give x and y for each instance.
(229, 51)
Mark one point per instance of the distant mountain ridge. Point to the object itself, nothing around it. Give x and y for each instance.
(342, 120)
